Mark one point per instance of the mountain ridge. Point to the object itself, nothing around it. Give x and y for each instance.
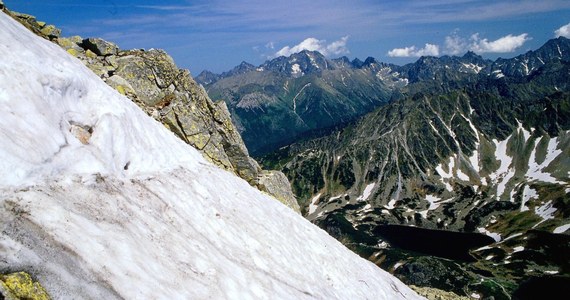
(465, 150)
(282, 99)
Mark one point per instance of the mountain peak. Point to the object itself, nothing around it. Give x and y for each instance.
(470, 54)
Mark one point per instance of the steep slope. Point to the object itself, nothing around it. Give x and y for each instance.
(152, 80)
(97, 200)
(491, 155)
(287, 97)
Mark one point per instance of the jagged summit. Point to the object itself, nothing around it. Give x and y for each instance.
(101, 201)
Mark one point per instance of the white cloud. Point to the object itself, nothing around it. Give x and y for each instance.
(313, 44)
(428, 50)
(563, 31)
(456, 45)
(508, 43)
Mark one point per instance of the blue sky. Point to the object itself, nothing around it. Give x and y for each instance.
(217, 35)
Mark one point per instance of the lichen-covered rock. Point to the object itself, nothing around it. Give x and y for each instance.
(276, 184)
(69, 43)
(21, 286)
(100, 46)
(121, 85)
(50, 31)
(135, 71)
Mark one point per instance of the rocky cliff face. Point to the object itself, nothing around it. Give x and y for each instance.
(152, 80)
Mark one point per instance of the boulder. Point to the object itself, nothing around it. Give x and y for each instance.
(275, 183)
(73, 42)
(121, 85)
(134, 70)
(100, 46)
(50, 31)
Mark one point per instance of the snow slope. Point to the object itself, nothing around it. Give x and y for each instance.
(134, 212)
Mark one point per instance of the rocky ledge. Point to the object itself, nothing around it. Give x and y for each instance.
(170, 95)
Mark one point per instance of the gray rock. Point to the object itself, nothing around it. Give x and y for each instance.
(276, 184)
(100, 46)
(121, 85)
(73, 42)
(50, 31)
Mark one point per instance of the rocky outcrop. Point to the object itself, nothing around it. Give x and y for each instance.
(276, 184)
(170, 95)
(40, 28)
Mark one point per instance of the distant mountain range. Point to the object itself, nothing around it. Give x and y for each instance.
(279, 101)
(286, 98)
(467, 145)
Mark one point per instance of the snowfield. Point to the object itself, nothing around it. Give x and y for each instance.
(99, 201)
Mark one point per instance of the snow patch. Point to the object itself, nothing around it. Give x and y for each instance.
(495, 236)
(433, 202)
(474, 160)
(397, 265)
(546, 211)
(561, 229)
(391, 204)
(528, 194)
(474, 67)
(366, 193)
(498, 74)
(462, 175)
(444, 174)
(313, 206)
(296, 69)
(535, 170)
(504, 173)
(518, 249)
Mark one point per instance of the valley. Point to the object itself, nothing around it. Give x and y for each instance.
(462, 145)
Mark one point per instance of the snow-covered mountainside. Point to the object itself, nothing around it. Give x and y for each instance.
(99, 201)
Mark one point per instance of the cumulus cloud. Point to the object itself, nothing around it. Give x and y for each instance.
(456, 45)
(313, 44)
(428, 50)
(563, 31)
(508, 43)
